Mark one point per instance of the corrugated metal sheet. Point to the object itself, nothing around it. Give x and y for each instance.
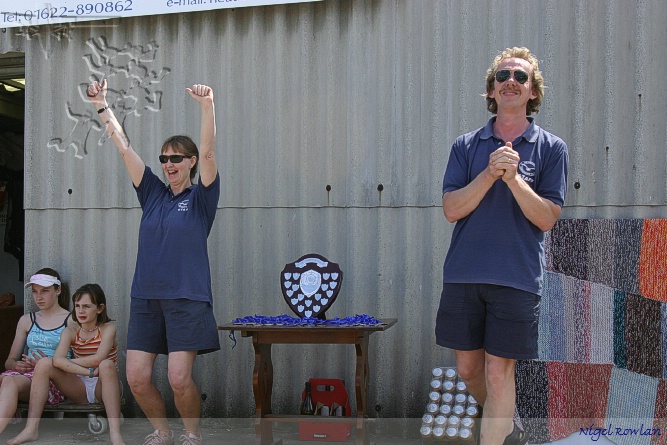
(349, 94)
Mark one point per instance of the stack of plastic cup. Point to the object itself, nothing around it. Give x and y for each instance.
(452, 412)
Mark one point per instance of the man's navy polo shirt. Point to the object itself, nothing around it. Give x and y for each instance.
(496, 244)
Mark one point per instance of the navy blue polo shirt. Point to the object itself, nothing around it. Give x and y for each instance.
(496, 244)
(172, 258)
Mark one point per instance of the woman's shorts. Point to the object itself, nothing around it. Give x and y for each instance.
(164, 326)
(499, 319)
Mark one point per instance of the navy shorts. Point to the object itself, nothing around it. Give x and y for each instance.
(499, 319)
(164, 326)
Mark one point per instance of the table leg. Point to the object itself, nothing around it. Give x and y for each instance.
(362, 375)
(362, 432)
(264, 432)
(262, 378)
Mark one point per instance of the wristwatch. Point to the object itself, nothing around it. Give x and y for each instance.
(92, 372)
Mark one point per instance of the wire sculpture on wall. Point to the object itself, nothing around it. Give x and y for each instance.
(136, 91)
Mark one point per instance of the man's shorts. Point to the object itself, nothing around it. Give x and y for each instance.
(164, 326)
(499, 319)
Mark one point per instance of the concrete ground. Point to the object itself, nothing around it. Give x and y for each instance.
(74, 430)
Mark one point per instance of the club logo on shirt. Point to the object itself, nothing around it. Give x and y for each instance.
(527, 171)
(183, 205)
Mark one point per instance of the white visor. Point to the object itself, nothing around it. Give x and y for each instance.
(43, 280)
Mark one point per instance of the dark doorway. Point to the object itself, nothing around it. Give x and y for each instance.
(12, 215)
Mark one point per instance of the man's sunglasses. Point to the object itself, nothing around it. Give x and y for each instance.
(504, 75)
(175, 159)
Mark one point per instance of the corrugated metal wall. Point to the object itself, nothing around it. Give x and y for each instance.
(350, 94)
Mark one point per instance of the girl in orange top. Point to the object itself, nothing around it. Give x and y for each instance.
(91, 376)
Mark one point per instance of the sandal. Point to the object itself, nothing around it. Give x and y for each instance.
(516, 437)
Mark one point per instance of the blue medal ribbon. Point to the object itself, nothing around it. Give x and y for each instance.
(286, 320)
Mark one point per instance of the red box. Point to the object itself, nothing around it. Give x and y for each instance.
(326, 391)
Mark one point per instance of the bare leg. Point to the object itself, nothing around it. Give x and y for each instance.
(39, 393)
(186, 393)
(108, 391)
(12, 388)
(471, 366)
(69, 384)
(139, 367)
(500, 400)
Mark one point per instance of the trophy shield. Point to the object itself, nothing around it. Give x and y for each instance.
(310, 285)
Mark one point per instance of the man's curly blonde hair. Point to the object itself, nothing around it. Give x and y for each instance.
(537, 80)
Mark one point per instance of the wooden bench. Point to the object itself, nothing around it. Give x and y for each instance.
(97, 423)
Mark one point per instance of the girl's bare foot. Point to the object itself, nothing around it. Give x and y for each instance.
(116, 438)
(23, 437)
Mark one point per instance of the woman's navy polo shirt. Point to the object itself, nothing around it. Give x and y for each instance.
(172, 258)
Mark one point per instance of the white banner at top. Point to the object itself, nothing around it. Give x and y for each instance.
(14, 13)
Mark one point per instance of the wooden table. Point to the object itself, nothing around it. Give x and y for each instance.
(263, 337)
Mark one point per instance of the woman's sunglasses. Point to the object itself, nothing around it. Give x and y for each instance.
(504, 75)
(175, 159)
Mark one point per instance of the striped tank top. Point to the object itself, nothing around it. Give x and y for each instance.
(85, 348)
